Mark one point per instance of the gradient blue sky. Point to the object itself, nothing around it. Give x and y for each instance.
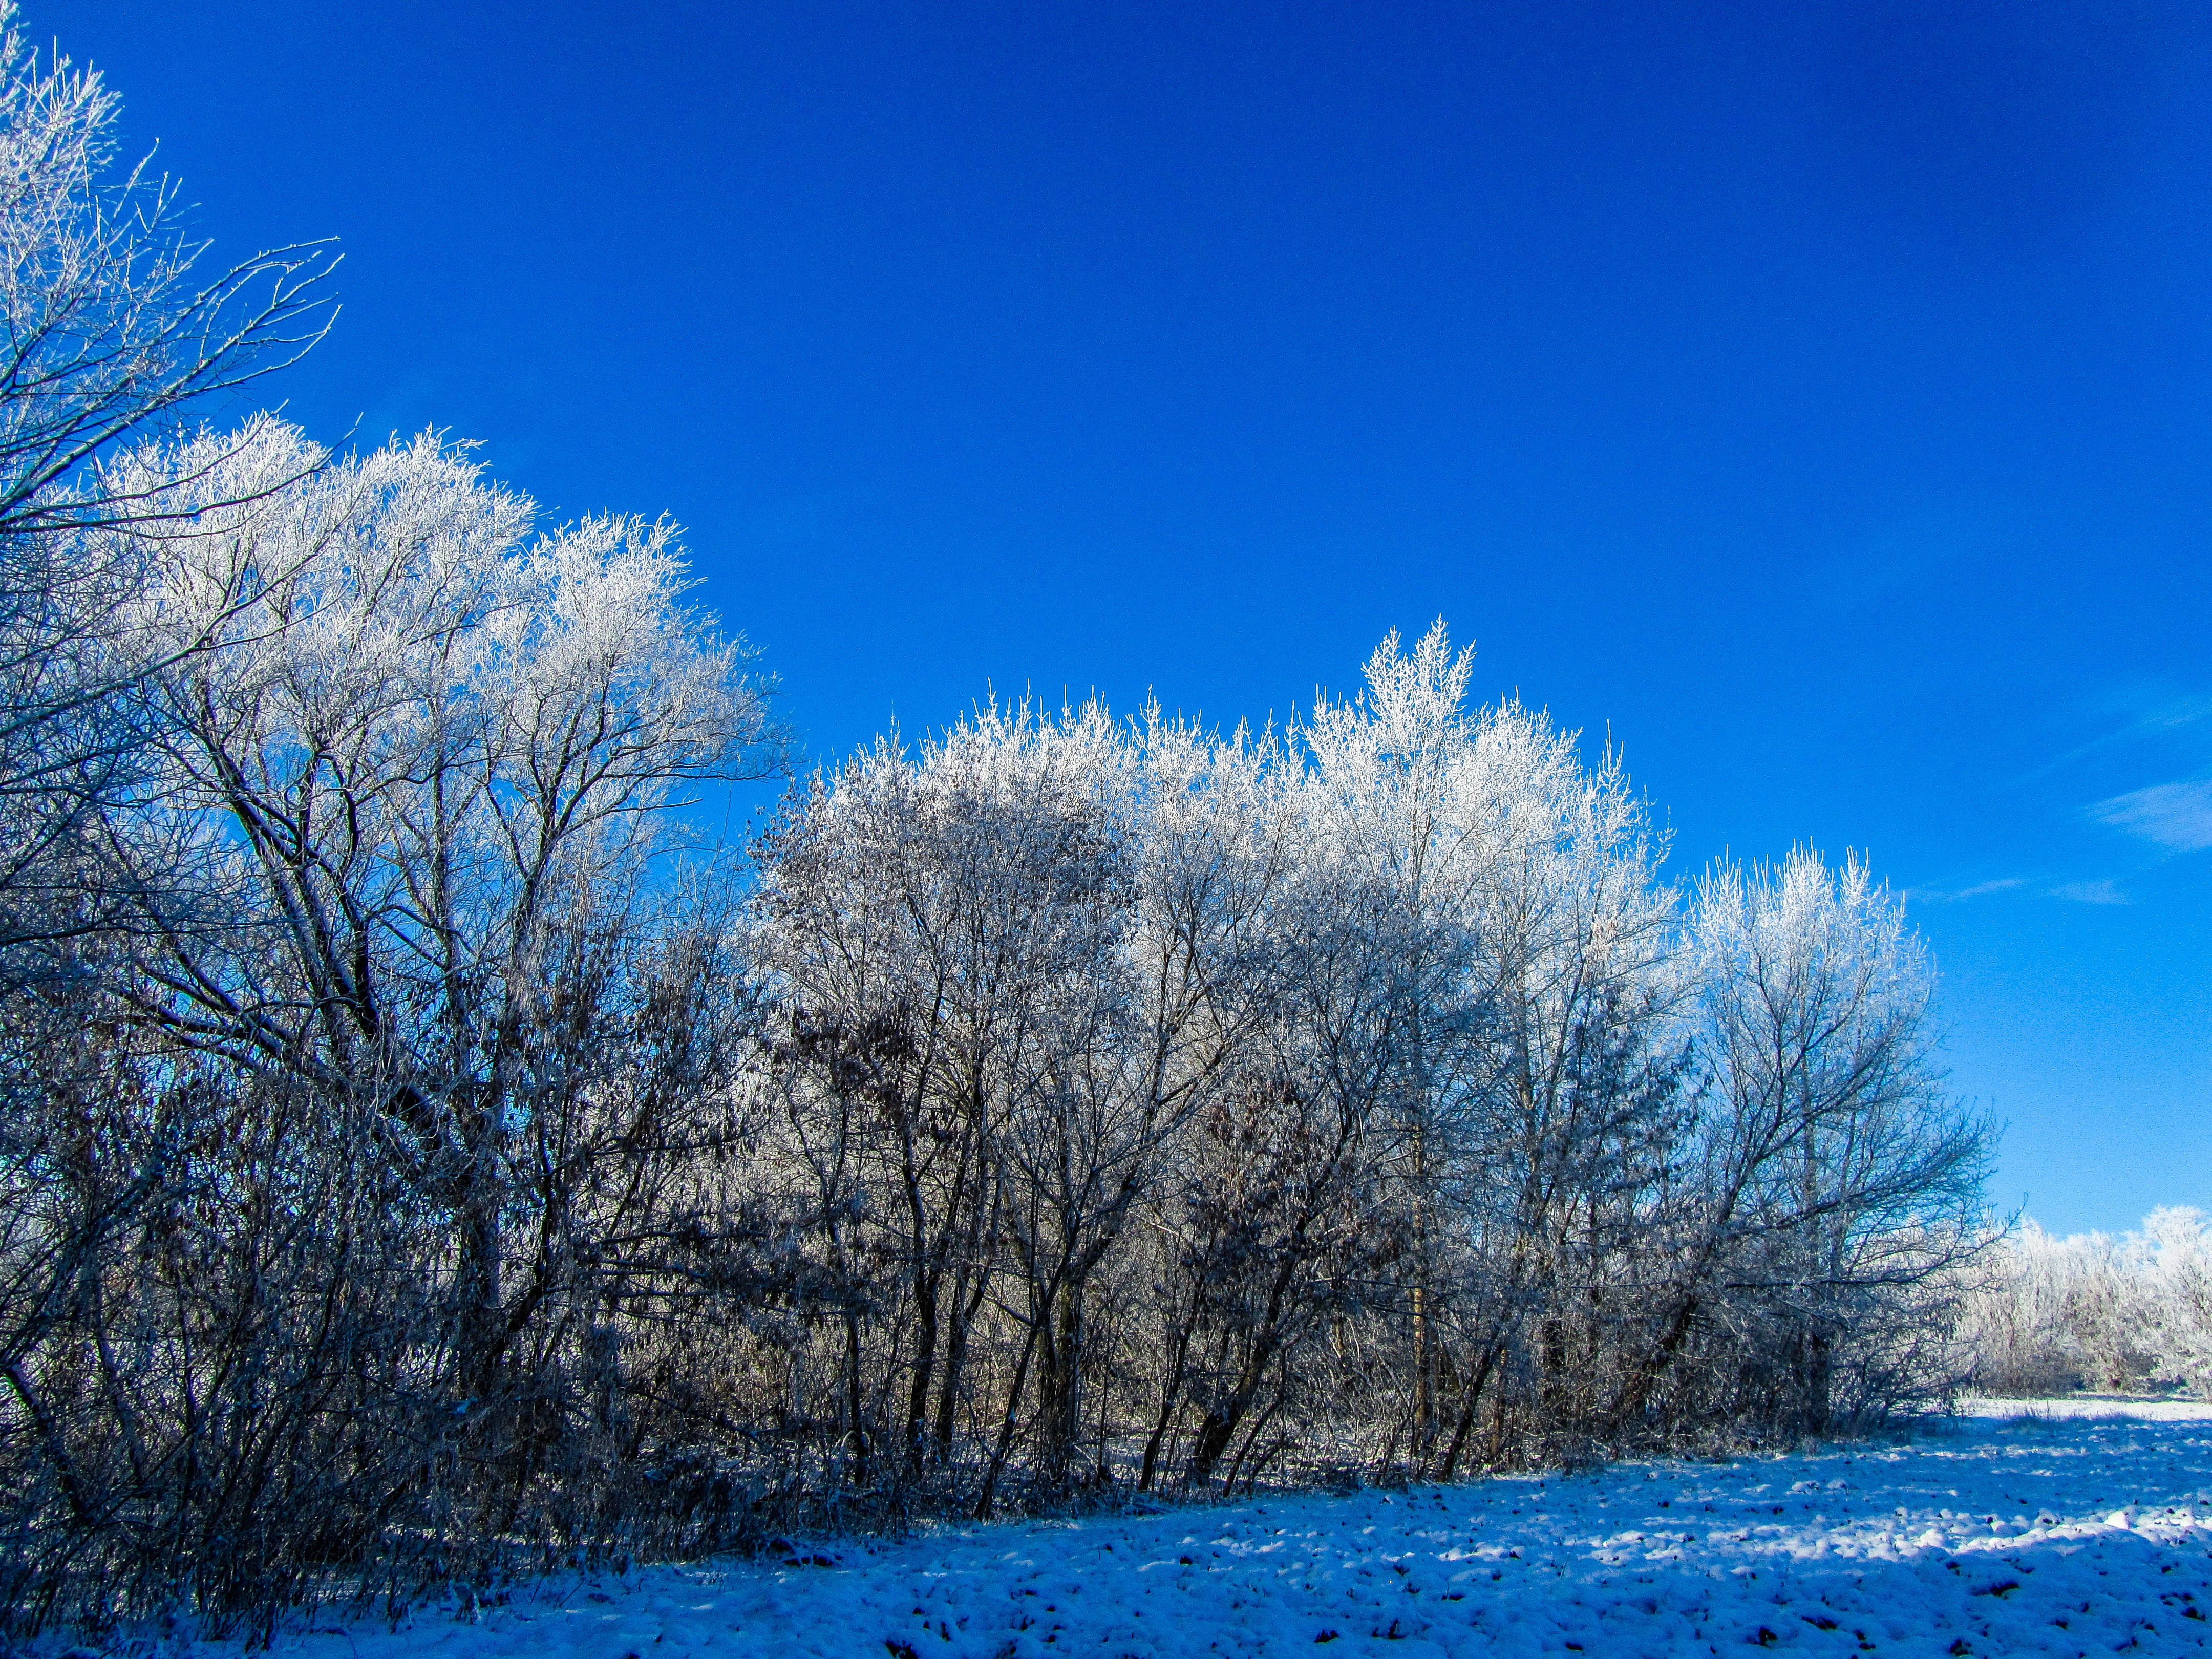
(1819, 397)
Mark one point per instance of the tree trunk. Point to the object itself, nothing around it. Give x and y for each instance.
(856, 1426)
(997, 1465)
(1059, 1385)
(924, 1360)
(1424, 1404)
(1466, 1415)
(1171, 1390)
(1816, 1382)
(477, 1280)
(966, 1304)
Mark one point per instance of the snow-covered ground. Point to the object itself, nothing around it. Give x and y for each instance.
(2094, 1405)
(1996, 1534)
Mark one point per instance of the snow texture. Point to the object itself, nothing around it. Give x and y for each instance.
(2044, 1533)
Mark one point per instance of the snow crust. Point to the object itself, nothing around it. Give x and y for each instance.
(2064, 1534)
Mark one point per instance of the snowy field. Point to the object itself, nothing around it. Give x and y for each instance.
(1999, 1533)
(2094, 1405)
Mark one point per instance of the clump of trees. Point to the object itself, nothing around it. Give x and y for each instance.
(2047, 1316)
(1356, 1100)
(425, 1158)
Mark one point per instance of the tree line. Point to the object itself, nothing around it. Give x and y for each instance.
(427, 1158)
(2047, 1316)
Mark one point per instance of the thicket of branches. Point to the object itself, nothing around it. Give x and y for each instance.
(424, 1160)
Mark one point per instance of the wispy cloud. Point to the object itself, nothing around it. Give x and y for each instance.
(1979, 890)
(2105, 891)
(2175, 815)
(2142, 712)
(2102, 890)
(2147, 710)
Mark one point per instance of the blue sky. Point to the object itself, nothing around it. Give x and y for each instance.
(1818, 399)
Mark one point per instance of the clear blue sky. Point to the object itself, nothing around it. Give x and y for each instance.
(1817, 396)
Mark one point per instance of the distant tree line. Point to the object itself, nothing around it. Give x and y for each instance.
(2045, 1315)
(425, 1158)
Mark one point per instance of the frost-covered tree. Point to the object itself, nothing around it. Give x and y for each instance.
(1531, 956)
(1833, 1164)
(1401, 797)
(116, 325)
(1014, 966)
(432, 915)
(427, 753)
